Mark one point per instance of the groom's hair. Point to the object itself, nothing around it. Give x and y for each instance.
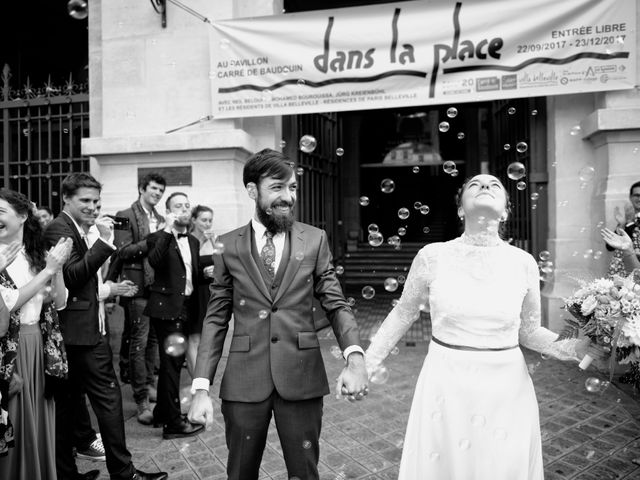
(266, 163)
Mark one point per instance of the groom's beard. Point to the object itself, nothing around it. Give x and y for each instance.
(273, 221)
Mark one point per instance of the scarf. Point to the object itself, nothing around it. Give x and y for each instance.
(143, 231)
(55, 355)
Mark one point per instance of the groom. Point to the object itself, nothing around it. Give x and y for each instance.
(266, 278)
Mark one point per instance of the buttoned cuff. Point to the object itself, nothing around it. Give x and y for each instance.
(351, 349)
(200, 384)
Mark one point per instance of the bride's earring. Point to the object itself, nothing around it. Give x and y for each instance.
(460, 214)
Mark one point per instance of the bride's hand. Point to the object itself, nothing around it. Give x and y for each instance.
(618, 240)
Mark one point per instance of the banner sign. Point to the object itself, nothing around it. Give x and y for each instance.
(420, 53)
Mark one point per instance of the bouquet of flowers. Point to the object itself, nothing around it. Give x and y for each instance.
(608, 312)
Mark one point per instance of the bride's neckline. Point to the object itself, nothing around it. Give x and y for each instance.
(482, 239)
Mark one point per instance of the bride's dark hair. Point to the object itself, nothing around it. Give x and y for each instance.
(502, 229)
(32, 236)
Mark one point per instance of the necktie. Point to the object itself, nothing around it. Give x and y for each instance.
(268, 254)
(183, 235)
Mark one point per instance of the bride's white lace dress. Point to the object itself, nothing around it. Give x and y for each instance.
(474, 413)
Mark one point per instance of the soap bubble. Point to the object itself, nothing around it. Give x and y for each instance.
(402, 231)
(339, 151)
(534, 113)
(535, 196)
(339, 270)
(375, 239)
(380, 375)
(575, 130)
(511, 110)
(522, 147)
(394, 240)
(262, 314)
(335, 351)
(415, 169)
(283, 143)
(387, 185)
(373, 228)
(218, 248)
(592, 384)
(351, 301)
(299, 256)
(394, 350)
(308, 143)
(516, 170)
(417, 205)
(454, 172)
(590, 454)
(464, 444)
(424, 209)
(242, 302)
(587, 173)
(478, 421)
(443, 127)
(224, 43)
(521, 185)
(368, 292)
(364, 201)
(452, 112)
(175, 344)
(267, 96)
(426, 230)
(544, 255)
(390, 284)
(301, 82)
(449, 166)
(300, 171)
(597, 255)
(506, 146)
(460, 135)
(401, 279)
(403, 213)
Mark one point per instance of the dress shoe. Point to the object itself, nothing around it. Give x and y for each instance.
(90, 475)
(182, 429)
(140, 475)
(144, 415)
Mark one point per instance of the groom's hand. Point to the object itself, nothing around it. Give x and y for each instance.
(201, 410)
(353, 380)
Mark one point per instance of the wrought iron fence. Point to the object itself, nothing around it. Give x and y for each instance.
(40, 137)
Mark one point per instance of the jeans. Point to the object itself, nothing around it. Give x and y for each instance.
(143, 349)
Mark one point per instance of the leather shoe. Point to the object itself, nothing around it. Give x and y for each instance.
(182, 429)
(140, 475)
(90, 475)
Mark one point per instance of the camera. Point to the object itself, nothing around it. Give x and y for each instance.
(119, 223)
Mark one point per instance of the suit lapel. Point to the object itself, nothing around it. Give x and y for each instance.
(296, 255)
(243, 247)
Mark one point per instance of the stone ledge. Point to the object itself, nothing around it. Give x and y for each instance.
(605, 120)
(172, 142)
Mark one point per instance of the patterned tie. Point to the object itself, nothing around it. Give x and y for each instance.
(268, 254)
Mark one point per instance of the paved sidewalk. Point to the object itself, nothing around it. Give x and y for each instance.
(586, 436)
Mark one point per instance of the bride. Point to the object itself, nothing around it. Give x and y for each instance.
(474, 413)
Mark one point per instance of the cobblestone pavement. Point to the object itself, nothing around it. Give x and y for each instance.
(586, 436)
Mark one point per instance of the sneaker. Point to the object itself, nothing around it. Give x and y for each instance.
(95, 451)
(145, 417)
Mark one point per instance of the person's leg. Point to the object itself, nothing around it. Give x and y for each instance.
(85, 438)
(138, 348)
(124, 342)
(246, 427)
(298, 424)
(167, 410)
(66, 403)
(103, 390)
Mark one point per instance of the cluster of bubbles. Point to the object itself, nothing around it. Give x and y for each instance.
(545, 265)
(175, 344)
(595, 385)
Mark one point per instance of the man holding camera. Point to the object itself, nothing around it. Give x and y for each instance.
(131, 230)
(173, 254)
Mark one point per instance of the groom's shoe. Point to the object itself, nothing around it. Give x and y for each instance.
(140, 475)
(90, 475)
(183, 428)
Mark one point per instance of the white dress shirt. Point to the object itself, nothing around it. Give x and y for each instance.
(153, 221)
(185, 253)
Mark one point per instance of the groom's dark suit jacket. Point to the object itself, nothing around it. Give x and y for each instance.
(274, 342)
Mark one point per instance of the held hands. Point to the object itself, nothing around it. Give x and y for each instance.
(353, 382)
(8, 254)
(618, 240)
(201, 410)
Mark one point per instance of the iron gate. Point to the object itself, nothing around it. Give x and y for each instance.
(40, 137)
(514, 122)
(319, 194)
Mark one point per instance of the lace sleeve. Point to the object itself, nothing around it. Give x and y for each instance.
(415, 297)
(532, 334)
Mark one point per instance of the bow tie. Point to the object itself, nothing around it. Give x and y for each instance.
(182, 235)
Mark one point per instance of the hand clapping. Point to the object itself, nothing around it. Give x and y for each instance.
(58, 255)
(8, 254)
(618, 240)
